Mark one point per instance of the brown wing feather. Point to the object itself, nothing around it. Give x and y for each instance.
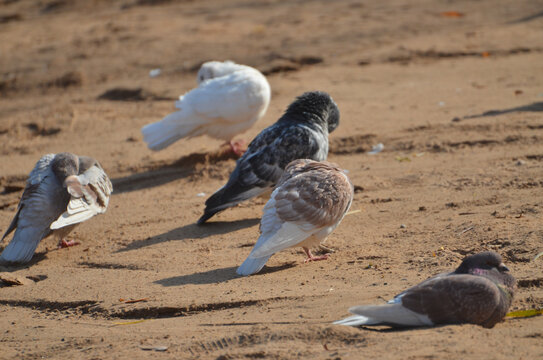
(456, 299)
(313, 192)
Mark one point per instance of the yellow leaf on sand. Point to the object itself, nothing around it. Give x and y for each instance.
(525, 313)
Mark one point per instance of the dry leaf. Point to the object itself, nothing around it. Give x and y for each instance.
(452, 14)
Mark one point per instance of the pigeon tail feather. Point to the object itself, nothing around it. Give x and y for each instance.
(227, 197)
(356, 320)
(22, 246)
(252, 265)
(165, 132)
(395, 314)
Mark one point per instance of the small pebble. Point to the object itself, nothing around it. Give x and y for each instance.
(520, 162)
(402, 226)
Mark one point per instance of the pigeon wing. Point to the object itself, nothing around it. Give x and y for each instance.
(37, 175)
(90, 194)
(303, 204)
(454, 299)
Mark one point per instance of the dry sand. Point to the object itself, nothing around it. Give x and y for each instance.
(456, 100)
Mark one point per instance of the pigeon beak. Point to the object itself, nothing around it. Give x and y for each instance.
(502, 267)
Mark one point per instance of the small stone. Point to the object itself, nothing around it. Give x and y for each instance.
(402, 226)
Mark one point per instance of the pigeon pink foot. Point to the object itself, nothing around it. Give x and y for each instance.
(62, 244)
(311, 257)
(238, 147)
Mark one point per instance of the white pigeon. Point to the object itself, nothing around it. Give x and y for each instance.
(62, 190)
(309, 202)
(229, 99)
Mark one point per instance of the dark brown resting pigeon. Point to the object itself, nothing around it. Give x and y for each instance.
(62, 190)
(301, 133)
(478, 292)
(309, 202)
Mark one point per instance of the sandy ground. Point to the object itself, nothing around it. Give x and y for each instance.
(456, 98)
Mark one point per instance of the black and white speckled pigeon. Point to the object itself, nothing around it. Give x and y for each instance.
(478, 292)
(308, 203)
(62, 190)
(301, 133)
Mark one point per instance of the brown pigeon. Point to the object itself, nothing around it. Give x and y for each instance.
(308, 203)
(62, 190)
(478, 292)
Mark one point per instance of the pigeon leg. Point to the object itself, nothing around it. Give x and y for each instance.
(238, 147)
(62, 244)
(311, 257)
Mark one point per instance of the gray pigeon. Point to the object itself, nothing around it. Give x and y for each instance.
(309, 202)
(478, 292)
(62, 190)
(301, 133)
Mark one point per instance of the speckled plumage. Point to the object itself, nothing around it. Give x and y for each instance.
(479, 291)
(301, 133)
(307, 204)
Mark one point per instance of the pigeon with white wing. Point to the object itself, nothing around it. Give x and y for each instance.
(301, 133)
(309, 202)
(229, 99)
(479, 291)
(62, 190)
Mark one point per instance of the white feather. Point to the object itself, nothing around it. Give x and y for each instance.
(229, 101)
(385, 314)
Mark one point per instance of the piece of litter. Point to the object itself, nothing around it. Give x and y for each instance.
(154, 73)
(129, 322)
(375, 149)
(402, 158)
(525, 313)
(441, 103)
(452, 14)
(154, 348)
(538, 256)
(353, 212)
(202, 194)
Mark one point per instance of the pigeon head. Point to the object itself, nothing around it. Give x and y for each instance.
(484, 262)
(64, 165)
(315, 106)
(86, 162)
(214, 69)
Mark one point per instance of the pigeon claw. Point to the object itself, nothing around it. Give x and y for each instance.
(62, 244)
(311, 257)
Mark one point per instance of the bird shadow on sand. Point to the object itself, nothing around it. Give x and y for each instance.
(160, 173)
(192, 231)
(395, 329)
(533, 107)
(216, 276)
